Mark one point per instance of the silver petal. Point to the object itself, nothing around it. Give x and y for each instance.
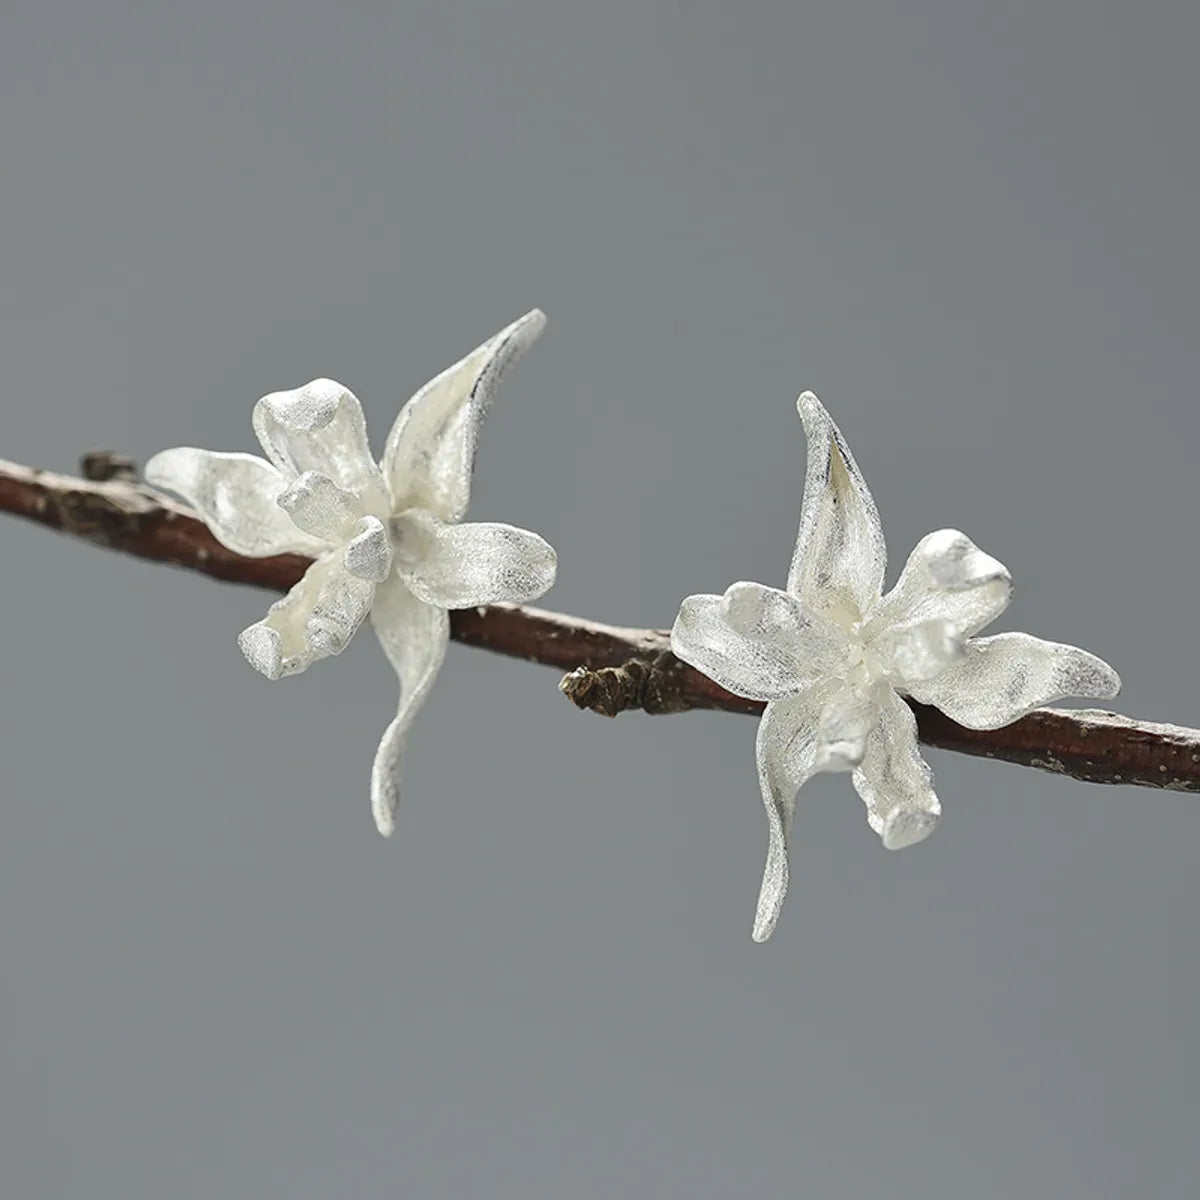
(463, 566)
(756, 641)
(320, 427)
(414, 636)
(786, 751)
(946, 576)
(318, 506)
(430, 452)
(894, 781)
(1001, 678)
(840, 556)
(235, 496)
(315, 620)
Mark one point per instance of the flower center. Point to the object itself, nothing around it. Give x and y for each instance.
(860, 664)
(413, 534)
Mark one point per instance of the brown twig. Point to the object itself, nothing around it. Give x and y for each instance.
(611, 669)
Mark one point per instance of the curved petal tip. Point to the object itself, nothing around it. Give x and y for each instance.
(906, 826)
(385, 822)
(385, 790)
(1107, 681)
(774, 885)
(308, 408)
(811, 410)
(529, 326)
(263, 648)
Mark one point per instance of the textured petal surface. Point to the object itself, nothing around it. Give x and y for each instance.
(845, 724)
(316, 619)
(414, 636)
(369, 551)
(946, 576)
(786, 750)
(235, 496)
(318, 506)
(840, 557)
(921, 650)
(1002, 678)
(430, 452)
(461, 566)
(756, 641)
(895, 781)
(320, 427)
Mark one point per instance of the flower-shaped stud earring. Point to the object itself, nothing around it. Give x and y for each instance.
(833, 656)
(386, 537)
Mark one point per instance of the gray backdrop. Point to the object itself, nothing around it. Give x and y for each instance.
(970, 227)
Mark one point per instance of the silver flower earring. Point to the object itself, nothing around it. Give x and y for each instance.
(386, 537)
(833, 656)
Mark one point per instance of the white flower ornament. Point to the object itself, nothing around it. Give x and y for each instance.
(832, 657)
(386, 537)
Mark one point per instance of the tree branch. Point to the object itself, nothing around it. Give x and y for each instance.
(611, 669)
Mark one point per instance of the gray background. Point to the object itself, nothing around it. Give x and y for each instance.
(969, 226)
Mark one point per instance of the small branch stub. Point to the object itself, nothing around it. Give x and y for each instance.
(650, 685)
(102, 466)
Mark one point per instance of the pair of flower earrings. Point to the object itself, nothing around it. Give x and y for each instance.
(831, 655)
